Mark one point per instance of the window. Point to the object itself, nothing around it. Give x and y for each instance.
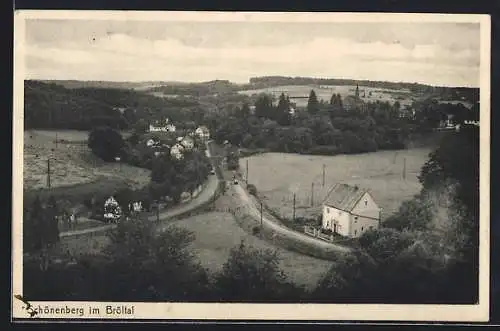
(362, 228)
(366, 202)
(327, 210)
(371, 227)
(355, 232)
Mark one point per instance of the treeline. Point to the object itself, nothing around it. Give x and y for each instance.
(329, 128)
(198, 89)
(423, 254)
(322, 129)
(52, 106)
(451, 92)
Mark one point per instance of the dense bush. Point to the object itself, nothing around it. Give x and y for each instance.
(106, 143)
(252, 189)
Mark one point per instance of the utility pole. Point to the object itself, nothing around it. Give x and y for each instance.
(56, 139)
(158, 212)
(246, 177)
(404, 168)
(323, 175)
(261, 214)
(312, 194)
(293, 217)
(48, 173)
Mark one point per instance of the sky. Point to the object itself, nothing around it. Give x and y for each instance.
(444, 54)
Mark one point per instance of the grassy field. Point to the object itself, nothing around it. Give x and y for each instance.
(217, 233)
(324, 92)
(277, 176)
(71, 162)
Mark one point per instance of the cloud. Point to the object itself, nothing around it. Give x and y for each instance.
(124, 57)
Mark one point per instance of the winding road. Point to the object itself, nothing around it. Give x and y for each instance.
(272, 223)
(205, 196)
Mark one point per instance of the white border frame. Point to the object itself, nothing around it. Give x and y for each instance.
(263, 312)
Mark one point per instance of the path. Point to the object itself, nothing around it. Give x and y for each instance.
(205, 196)
(270, 222)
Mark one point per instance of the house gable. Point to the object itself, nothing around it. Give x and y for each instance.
(366, 207)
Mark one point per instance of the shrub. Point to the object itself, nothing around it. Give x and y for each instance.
(106, 143)
(256, 230)
(252, 189)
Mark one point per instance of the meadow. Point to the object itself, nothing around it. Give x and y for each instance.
(390, 176)
(218, 232)
(71, 162)
(324, 93)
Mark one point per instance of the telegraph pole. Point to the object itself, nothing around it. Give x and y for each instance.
(158, 212)
(293, 217)
(261, 214)
(246, 177)
(323, 175)
(312, 194)
(56, 139)
(404, 168)
(48, 173)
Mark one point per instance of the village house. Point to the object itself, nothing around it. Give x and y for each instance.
(351, 102)
(177, 151)
(203, 133)
(187, 143)
(166, 126)
(350, 211)
(153, 143)
(448, 122)
(112, 210)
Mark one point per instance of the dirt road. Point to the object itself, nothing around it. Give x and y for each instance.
(205, 196)
(269, 222)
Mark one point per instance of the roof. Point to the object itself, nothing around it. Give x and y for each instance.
(344, 197)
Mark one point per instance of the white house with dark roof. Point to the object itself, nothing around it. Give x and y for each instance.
(177, 151)
(166, 126)
(187, 143)
(203, 133)
(350, 211)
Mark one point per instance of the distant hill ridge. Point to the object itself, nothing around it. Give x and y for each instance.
(221, 85)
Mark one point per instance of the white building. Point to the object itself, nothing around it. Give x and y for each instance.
(166, 126)
(203, 133)
(112, 210)
(177, 151)
(187, 143)
(350, 211)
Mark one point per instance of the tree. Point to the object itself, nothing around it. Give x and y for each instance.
(354, 278)
(106, 143)
(283, 110)
(253, 275)
(385, 243)
(264, 106)
(415, 214)
(245, 110)
(312, 103)
(139, 258)
(141, 126)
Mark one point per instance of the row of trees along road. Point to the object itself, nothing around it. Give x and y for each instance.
(423, 254)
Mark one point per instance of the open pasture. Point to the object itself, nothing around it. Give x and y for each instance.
(218, 232)
(324, 93)
(70, 163)
(390, 176)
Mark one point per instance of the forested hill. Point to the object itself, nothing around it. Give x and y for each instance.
(54, 106)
